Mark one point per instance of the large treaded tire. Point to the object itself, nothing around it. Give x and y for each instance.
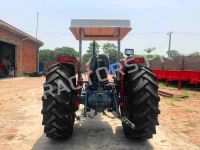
(141, 106)
(58, 110)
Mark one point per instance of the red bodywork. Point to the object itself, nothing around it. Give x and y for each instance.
(74, 60)
(68, 59)
(2, 66)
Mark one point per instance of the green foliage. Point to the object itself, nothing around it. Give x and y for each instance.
(174, 53)
(46, 55)
(90, 48)
(151, 56)
(109, 47)
(162, 85)
(111, 50)
(66, 51)
(85, 58)
(177, 99)
(194, 54)
(52, 55)
(156, 56)
(149, 50)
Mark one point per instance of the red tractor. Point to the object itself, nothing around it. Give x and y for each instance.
(2, 69)
(132, 97)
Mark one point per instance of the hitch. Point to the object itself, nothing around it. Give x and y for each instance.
(118, 115)
(91, 114)
(128, 122)
(124, 120)
(121, 118)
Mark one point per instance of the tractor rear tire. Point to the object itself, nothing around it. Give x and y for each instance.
(58, 109)
(142, 104)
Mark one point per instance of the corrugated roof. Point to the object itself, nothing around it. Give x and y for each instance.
(20, 33)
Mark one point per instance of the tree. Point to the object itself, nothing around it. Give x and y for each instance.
(149, 50)
(108, 47)
(46, 55)
(90, 48)
(156, 56)
(85, 58)
(111, 50)
(174, 53)
(194, 54)
(52, 55)
(66, 51)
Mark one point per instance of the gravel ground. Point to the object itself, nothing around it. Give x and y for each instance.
(21, 129)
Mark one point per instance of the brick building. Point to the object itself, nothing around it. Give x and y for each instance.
(19, 48)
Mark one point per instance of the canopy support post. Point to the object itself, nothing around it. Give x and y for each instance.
(80, 47)
(94, 48)
(118, 52)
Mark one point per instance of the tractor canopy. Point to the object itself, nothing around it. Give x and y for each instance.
(99, 29)
(94, 29)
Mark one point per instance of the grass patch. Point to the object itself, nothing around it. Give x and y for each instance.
(187, 125)
(162, 141)
(186, 131)
(177, 99)
(174, 131)
(191, 111)
(185, 94)
(162, 85)
(10, 136)
(193, 124)
(172, 103)
(26, 75)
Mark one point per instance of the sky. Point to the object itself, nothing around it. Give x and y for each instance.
(151, 20)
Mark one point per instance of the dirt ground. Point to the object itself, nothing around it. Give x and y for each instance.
(21, 129)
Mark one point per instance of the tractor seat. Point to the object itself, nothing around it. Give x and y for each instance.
(95, 62)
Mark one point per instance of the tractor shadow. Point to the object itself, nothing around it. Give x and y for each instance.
(98, 133)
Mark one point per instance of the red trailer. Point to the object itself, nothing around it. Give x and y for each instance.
(190, 76)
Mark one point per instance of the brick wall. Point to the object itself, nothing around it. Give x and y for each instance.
(173, 64)
(156, 64)
(29, 57)
(185, 63)
(192, 63)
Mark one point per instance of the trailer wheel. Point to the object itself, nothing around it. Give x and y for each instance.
(141, 105)
(58, 109)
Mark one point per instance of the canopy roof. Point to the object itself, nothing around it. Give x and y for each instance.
(93, 29)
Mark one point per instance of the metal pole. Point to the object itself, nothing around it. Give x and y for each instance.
(80, 47)
(94, 48)
(37, 25)
(183, 63)
(169, 48)
(118, 51)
